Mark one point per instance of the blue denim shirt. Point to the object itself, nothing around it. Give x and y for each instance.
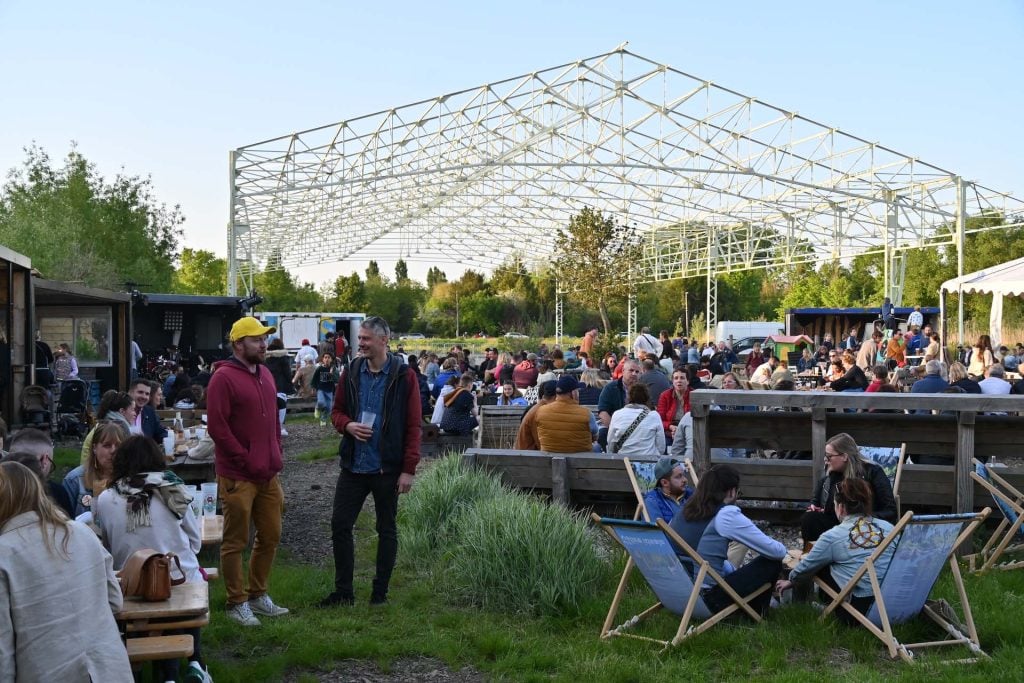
(372, 386)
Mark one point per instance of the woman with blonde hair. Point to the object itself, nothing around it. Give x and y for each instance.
(591, 384)
(48, 564)
(844, 461)
(958, 377)
(90, 479)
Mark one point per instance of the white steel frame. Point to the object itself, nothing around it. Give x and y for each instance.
(716, 180)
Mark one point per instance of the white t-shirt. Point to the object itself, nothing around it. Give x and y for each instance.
(647, 343)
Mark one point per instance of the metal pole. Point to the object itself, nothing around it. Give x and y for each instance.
(558, 315)
(961, 226)
(232, 245)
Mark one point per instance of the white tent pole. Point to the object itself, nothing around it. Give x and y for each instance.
(961, 221)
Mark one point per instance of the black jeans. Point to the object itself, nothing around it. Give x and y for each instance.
(349, 496)
(814, 524)
(744, 581)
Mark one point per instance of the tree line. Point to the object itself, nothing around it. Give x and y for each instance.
(78, 226)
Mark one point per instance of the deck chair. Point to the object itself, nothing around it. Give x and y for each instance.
(1008, 536)
(923, 544)
(652, 550)
(891, 461)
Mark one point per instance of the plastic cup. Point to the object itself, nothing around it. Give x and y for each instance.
(169, 444)
(200, 432)
(197, 502)
(367, 418)
(209, 493)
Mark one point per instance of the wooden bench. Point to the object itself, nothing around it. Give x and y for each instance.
(153, 648)
(189, 418)
(499, 425)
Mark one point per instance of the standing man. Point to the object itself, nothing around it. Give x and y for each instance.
(241, 406)
(377, 410)
(147, 422)
(589, 337)
(646, 343)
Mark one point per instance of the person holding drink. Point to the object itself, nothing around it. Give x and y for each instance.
(377, 410)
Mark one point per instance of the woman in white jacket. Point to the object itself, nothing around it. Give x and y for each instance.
(58, 592)
(146, 507)
(635, 429)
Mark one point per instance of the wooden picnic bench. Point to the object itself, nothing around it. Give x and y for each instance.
(188, 607)
(500, 424)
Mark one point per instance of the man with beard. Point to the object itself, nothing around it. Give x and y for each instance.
(243, 422)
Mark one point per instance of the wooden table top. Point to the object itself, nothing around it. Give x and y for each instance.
(213, 529)
(187, 600)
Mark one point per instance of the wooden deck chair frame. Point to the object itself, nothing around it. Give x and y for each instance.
(885, 633)
(686, 629)
(641, 509)
(1002, 539)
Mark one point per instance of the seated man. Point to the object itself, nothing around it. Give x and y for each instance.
(994, 382)
(526, 437)
(669, 493)
(563, 426)
(38, 444)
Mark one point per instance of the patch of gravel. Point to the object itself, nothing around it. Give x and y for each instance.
(308, 494)
(407, 670)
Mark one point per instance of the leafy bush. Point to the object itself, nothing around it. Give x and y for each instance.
(430, 513)
(518, 553)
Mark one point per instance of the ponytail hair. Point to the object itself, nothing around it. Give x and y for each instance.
(710, 493)
(855, 495)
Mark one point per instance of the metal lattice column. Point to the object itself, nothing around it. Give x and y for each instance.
(558, 315)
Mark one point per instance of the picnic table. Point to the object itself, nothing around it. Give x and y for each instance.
(213, 529)
(188, 607)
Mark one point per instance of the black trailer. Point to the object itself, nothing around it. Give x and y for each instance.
(185, 327)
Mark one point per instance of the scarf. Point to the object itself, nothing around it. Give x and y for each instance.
(139, 489)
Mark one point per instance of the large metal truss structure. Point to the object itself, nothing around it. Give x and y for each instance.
(716, 181)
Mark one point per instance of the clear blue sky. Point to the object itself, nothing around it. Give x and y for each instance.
(166, 89)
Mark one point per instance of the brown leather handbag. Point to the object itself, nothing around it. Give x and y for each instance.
(147, 574)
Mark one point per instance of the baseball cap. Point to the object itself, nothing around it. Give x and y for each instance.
(249, 327)
(663, 470)
(567, 384)
(547, 388)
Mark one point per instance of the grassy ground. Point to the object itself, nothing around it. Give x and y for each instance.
(420, 622)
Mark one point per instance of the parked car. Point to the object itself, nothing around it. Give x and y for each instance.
(516, 335)
(412, 335)
(743, 347)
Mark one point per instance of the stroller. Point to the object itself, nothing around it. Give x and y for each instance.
(36, 410)
(73, 409)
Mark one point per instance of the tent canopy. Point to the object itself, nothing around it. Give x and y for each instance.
(1005, 279)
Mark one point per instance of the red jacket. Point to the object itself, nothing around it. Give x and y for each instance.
(667, 406)
(241, 409)
(524, 375)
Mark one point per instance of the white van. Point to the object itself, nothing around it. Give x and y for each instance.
(734, 330)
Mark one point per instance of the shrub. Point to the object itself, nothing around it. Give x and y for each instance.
(515, 552)
(431, 511)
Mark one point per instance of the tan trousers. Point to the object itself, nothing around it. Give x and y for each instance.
(245, 502)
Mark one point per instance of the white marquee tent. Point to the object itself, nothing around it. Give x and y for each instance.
(1005, 279)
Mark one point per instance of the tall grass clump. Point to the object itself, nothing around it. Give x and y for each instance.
(431, 513)
(518, 553)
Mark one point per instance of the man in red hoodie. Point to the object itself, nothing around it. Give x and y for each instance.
(241, 407)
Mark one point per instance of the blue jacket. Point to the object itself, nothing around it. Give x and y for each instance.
(929, 384)
(660, 506)
(151, 426)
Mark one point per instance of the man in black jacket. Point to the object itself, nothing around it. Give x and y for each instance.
(378, 412)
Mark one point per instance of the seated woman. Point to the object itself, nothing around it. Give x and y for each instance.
(880, 376)
(591, 385)
(853, 378)
(710, 520)
(635, 429)
(459, 406)
(146, 507)
(510, 396)
(89, 480)
(674, 403)
(608, 365)
(843, 461)
(842, 549)
(807, 361)
(58, 591)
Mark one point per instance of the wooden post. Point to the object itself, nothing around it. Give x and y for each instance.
(701, 437)
(819, 435)
(469, 460)
(560, 480)
(964, 461)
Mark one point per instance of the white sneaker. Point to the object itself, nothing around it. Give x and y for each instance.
(242, 614)
(284, 432)
(264, 606)
(197, 674)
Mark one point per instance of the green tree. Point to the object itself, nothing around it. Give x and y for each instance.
(401, 271)
(200, 272)
(348, 294)
(77, 226)
(435, 276)
(594, 258)
(373, 272)
(282, 292)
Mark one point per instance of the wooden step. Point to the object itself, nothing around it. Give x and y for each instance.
(153, 648)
